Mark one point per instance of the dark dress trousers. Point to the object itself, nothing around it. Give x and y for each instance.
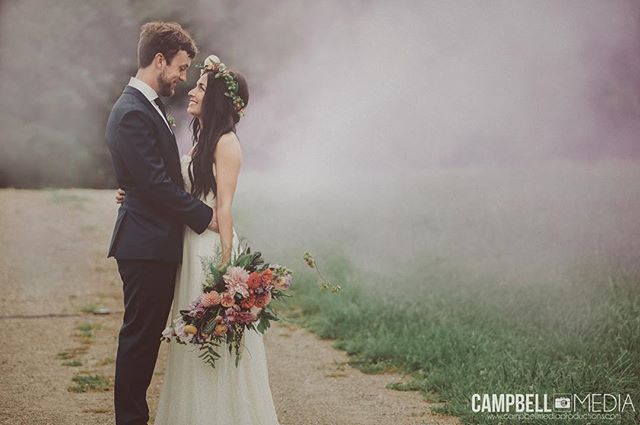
(146, 241)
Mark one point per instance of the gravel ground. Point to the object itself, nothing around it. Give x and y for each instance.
(53, 271)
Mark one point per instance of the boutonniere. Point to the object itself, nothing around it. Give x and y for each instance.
(171, 120)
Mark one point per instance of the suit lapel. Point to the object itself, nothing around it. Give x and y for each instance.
(157, 118)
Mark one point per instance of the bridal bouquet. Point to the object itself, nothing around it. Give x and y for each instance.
(234, 298)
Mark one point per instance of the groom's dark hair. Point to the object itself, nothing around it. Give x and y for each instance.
(167, 38)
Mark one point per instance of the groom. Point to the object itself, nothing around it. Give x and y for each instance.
(147, 239)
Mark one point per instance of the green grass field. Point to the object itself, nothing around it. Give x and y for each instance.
(477, 281)
(457, 341)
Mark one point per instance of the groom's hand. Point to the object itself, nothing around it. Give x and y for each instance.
(213, 225)
(120, 194)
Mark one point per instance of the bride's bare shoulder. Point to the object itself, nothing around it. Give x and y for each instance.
(229, 141)
(229, 137)
(228, 146)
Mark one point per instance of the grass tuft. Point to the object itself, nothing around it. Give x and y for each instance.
(85, 383)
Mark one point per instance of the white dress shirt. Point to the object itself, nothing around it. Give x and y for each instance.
(150, 94)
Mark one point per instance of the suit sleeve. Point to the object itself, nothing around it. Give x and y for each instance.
(138, 150)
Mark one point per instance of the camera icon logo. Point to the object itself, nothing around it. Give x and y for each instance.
(562, 402)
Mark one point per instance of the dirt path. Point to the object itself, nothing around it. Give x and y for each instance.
(53, 272)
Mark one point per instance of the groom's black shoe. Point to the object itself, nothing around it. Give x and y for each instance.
(148, 291)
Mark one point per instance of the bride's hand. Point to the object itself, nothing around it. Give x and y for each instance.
(120, 194)
(222, 264)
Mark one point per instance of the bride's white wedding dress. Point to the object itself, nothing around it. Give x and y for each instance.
(194, 393)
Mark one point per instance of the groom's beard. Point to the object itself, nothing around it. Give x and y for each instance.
(166, 89)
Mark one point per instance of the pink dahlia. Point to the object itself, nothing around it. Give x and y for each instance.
(236, 279)
(209, 299)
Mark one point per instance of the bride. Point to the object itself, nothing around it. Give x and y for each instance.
(194, 393)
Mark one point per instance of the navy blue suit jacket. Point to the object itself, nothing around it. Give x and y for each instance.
(150, 223)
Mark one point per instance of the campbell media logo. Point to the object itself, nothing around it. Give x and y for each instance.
(543, 403)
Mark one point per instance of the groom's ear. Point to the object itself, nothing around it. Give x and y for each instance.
(159, 61)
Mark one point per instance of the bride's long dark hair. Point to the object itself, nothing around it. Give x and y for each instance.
(218, 117)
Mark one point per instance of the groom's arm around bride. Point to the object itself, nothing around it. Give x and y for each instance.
(145, 158)
(156, 203)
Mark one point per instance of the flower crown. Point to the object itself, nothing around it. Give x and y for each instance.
(212, 63)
